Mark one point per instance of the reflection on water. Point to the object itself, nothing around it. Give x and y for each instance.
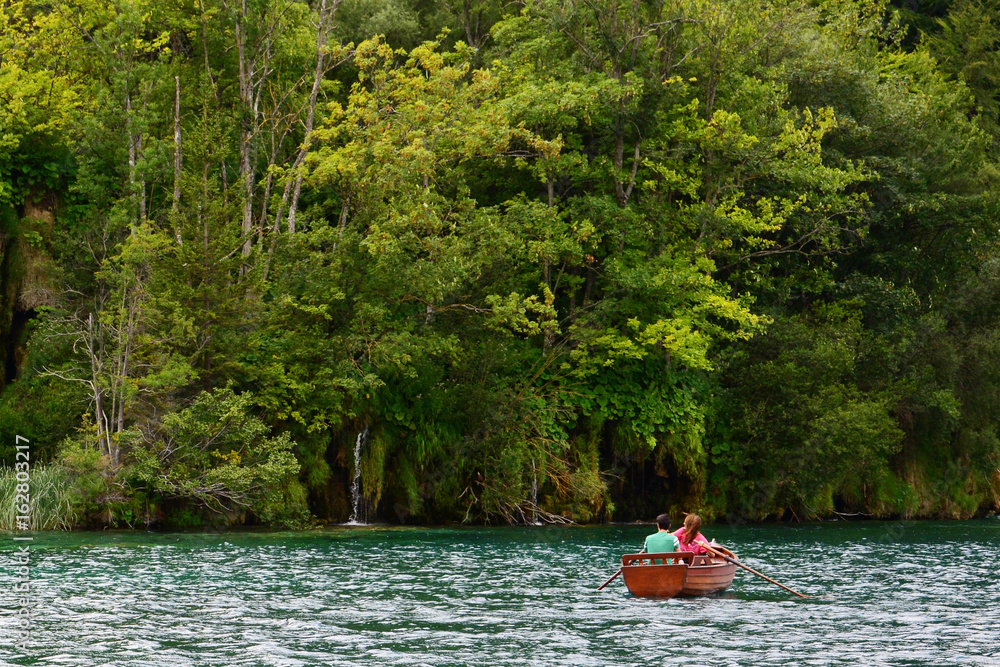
(894, 594)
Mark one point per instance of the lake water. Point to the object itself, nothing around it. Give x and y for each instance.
(893, 594)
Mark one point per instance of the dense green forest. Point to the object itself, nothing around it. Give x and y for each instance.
(539, 260)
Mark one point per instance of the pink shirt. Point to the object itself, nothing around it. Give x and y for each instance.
(695, 545)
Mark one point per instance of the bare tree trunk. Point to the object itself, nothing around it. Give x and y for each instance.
(125, 363)
(621, 190)
(294, 204)
(204, 42)
(131, 149)
(276, 144)
(101, 356)
(472, 27)
(225, 181)
(246, 129)
(142, 181)
(327, 9)
(136, 187)
(206, 300)
(100, 419)
(284, 202)
(139, 140)
(178, 157)
(264, 201)
(549, 338)
(247, 178)
(178, 164)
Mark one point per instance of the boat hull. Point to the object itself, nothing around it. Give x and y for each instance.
(707, 576)
(646, 577)
(678, 574)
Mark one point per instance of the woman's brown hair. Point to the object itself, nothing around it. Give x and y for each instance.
(692, 525)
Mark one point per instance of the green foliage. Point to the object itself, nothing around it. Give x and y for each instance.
(552, 264)
(798, 425)
(42, 410)
(967, 46)
(216, 454)
(51, 502)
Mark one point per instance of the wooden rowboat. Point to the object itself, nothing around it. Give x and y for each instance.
(656, 575)
(679, 573)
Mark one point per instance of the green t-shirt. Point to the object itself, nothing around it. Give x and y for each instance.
(661, 542)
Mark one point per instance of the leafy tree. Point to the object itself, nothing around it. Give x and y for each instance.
(216, 454)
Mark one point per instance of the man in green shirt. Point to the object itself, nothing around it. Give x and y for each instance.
(662, 541)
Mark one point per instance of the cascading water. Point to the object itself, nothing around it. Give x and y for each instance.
(356, 484)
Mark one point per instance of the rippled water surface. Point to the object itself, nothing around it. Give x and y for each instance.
(893, 594)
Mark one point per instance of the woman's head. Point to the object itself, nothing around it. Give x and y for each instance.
(692, 526)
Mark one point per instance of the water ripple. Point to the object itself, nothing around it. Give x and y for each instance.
(892, 594)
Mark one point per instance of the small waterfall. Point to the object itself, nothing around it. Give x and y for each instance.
(356, 484)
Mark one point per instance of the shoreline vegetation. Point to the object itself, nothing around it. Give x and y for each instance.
(280, 263)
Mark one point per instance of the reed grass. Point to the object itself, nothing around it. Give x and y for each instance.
(50, 506)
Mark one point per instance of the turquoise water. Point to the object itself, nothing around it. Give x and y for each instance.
(893, 594)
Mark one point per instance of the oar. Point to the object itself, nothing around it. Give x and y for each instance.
(615, 575)
(748, 569)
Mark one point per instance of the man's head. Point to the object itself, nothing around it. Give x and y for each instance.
(663, 522)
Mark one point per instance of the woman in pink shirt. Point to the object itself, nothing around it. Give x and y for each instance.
(690, 535)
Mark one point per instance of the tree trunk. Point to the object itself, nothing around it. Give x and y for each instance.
(131, 151)
(327, 9)
(178, 164)
(549, 337)
(622, 190)
(343, 222)
(206, 300)
(246, 129)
